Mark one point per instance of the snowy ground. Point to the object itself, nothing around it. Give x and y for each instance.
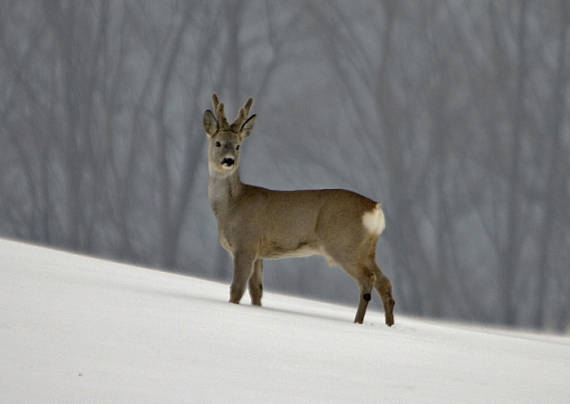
(78, 329)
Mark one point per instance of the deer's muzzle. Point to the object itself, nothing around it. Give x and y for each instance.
(228, 162)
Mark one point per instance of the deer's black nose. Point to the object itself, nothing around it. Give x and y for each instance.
(228, 161)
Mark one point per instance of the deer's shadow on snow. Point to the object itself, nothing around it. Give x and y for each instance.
(309, 314)
(271, 308)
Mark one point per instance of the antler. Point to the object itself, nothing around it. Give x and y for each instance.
(219, 110)
(242, 115)
(221, 116)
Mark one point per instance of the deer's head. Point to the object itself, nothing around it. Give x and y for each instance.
(224, 139)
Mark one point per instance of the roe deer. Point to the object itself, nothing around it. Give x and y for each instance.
(257, 223)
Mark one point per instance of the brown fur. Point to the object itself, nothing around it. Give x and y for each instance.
(257, 223)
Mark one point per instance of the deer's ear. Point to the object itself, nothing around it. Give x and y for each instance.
(247, 126)
(210, 123)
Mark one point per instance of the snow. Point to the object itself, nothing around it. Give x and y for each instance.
(79, 329)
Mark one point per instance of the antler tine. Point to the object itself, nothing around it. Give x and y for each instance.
(219, 110)
(247, 106)
(242, 114)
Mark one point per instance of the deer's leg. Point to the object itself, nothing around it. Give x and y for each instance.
(243, 266)
(365, 282)
(256, 283)
(384, 288)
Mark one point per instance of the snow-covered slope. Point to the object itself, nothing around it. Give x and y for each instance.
(78, 329)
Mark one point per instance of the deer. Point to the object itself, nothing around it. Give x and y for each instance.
(257, 224)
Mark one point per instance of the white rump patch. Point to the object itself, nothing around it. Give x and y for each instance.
(374, 220)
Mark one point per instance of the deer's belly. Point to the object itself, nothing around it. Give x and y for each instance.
(273, 250)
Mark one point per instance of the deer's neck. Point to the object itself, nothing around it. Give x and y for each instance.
(223, 189)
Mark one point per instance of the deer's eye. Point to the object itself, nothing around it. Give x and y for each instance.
(218, 144)
(237, 147)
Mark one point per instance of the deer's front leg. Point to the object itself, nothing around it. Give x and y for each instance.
(243, 266)
(256, 283)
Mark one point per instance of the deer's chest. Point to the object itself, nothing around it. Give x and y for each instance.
(230, 232)
(236, 233)
(225, 242)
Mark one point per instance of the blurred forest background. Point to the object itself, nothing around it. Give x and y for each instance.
(454, 114)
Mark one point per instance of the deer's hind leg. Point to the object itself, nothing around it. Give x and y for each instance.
(365, 280)
(256, 283)
(365, 296)
(384, 288)
(353, 259)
